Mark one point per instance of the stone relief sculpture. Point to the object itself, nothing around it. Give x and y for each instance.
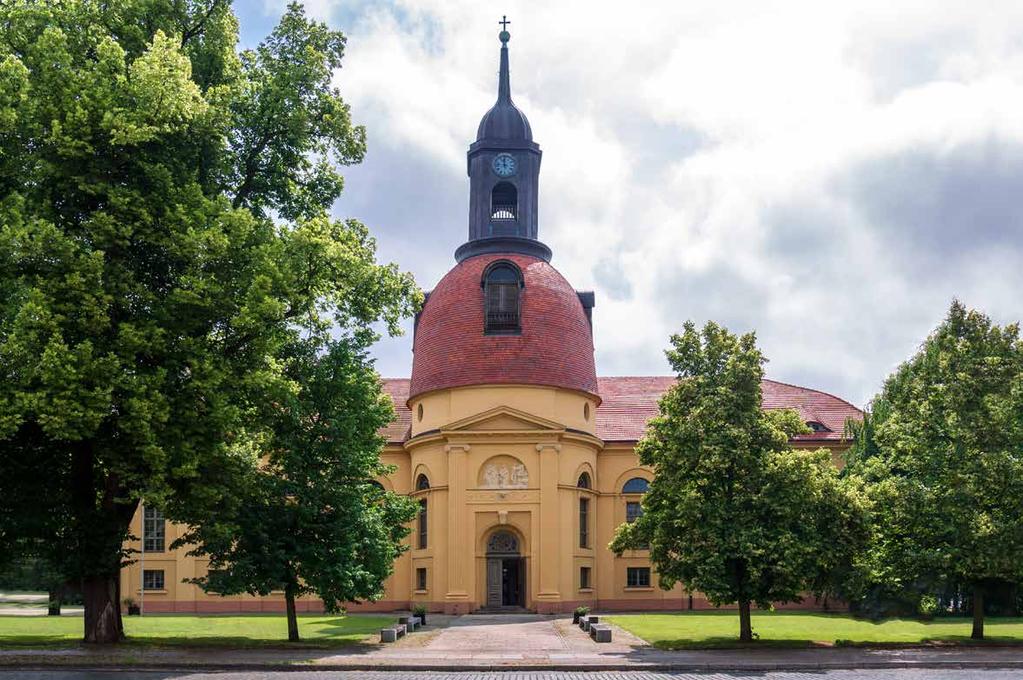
(505, 476)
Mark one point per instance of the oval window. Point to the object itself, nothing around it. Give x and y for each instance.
(419, 412)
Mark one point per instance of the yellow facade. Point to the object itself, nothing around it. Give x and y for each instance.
(500, 461)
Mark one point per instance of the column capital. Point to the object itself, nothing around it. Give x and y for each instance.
(548, 445)
(457, 447)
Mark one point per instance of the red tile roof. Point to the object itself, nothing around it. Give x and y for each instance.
(630, 401)
(398, 430)
(555, 347)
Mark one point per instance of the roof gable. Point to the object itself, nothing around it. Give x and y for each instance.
(503, 419)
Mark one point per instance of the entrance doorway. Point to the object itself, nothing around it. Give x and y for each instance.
(506, 575)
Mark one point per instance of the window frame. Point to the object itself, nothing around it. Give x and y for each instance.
(584, 523)
(585, 578)
(641, 574)
(423, 538)
(421, 579)
(633, 491)
(154, 530)
(146, 586)
(492, 325)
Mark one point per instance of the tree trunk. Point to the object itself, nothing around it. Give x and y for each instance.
(100, 530)
(289, 598)
(745, 624)
(102, 611)
(978, 612)
(55, 599)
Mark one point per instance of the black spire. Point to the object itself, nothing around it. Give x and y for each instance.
(504, 169)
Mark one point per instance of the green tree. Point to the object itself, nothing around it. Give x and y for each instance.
(311, 520)
(942, 461)
(163, 243)
(733, 511)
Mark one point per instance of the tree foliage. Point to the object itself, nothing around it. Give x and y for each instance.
(942, 460)
(311, 519)
(734, 512)
(163, 243)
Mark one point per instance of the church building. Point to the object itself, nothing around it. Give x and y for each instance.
(521, 458)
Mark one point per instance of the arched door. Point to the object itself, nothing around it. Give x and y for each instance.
(505, 574)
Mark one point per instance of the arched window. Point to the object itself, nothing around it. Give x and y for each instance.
(636, 485)
(584, 481)
(502, 283)
(503, 542)
(504, 202)
(422, 483)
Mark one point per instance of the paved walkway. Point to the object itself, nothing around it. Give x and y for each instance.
(501, 639)
(31, 604)
(518, 642)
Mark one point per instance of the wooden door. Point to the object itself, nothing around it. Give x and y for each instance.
(493, 582)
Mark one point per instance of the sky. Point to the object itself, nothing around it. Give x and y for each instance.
(830, 175)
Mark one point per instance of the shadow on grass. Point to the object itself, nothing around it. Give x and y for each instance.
(733, 643)
(950, 641)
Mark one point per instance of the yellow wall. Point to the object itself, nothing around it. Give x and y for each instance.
(465, 441)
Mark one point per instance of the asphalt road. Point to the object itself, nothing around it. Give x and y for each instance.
(891, 674)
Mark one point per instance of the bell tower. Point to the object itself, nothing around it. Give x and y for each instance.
(504, 173)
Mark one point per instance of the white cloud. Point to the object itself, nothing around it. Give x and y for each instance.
(706, 160)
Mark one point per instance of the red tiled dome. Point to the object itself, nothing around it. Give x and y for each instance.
(555, 347)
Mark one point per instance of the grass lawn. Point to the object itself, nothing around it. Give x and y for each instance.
(253, 630)
(690, 630)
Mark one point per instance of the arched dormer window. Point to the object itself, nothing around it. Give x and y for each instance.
(584, 481)
(504, 201)
(422, 483)
(816, 426)
(502, 283)
(636, 485)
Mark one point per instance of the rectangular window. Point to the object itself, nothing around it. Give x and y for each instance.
(153, 530)
(584, 522)
(637, 577)
(633, 511)
(422, 525)
(584, 577)
(420, 578)
(152, 579)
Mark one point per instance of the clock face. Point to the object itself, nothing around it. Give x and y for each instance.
(504, 165)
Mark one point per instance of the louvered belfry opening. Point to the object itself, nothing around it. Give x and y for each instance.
(504, 202)
(501, 287)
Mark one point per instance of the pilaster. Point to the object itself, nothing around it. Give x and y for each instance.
(549, 594)
(457, 598)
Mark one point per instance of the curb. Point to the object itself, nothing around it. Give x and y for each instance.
(528, 667)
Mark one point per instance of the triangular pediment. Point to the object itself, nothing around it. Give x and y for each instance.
(503, 419)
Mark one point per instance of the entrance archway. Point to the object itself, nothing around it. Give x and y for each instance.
(506, 574)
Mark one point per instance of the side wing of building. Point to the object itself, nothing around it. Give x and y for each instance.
(521, 489)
